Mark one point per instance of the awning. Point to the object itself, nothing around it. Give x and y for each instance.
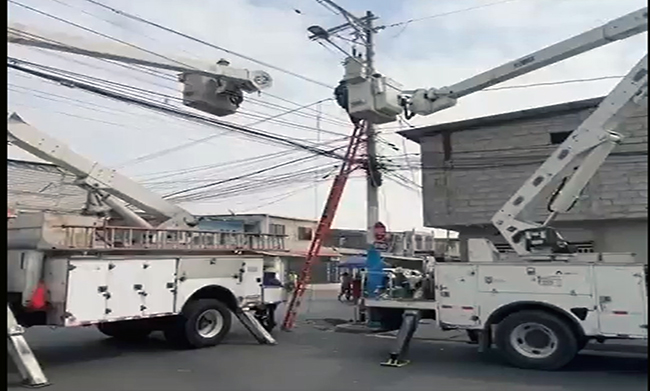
(300, 254)
(356, 262)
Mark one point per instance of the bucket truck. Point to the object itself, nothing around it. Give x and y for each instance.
(131, 278)
(543, 305)
(216, 89)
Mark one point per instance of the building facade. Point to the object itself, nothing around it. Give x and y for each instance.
(406, 243)
(34, 186)
(298, 232)
(471, 168)
(409, 244)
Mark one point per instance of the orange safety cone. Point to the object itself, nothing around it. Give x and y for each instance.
(38, 300)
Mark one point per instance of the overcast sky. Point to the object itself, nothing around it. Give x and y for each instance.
(429, 52)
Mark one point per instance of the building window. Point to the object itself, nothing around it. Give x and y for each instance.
(418, 242)
(277, 229)
(428, 243)
(559, 137)
(304, 233)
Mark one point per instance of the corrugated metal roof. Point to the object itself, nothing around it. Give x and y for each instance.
(35, 186)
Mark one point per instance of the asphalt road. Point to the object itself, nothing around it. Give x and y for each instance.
(310, 358)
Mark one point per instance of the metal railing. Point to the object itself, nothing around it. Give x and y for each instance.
(113, 237)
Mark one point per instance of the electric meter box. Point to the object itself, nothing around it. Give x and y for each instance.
(208, 95)
(376, 99)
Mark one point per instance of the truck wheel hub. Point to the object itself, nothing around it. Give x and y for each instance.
(534, 340)
(209, 323)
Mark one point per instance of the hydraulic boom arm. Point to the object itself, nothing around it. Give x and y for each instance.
(108, 185)
(373, 97)
(429, 101)
(578, 159)
(216, 89)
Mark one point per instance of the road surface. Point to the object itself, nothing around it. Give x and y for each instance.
(312, 358)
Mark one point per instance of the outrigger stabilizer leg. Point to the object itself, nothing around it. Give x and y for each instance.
(247, 318)
(403, 341)
(22, 355)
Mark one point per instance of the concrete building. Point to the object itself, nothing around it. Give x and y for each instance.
(472, 167)
(33, 186)
(299, 233)
(404, 243)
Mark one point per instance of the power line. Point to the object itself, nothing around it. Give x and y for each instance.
(414, 20)
(255, 134)
(304, 175)
(281, 197)
(284, 164)
(106, 36)
(113, 123)
(265, 118)
(46, 14)
(198, 40)
(158, 73)
(205, 139)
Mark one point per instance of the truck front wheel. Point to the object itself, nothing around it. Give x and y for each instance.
(536, 340)
(202, 323)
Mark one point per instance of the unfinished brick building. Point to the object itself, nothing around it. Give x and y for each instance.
(472, 167)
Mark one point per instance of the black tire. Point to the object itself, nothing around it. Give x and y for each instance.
(582, 343)
(131, 331)
(266, 318)
(517, 351)
(184, 331)
(472, 335)
(390, 319)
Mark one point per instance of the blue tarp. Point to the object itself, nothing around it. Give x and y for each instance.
(375, 271)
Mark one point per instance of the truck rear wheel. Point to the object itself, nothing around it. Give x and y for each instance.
(129, 330)
(536, 340)
(202, 323)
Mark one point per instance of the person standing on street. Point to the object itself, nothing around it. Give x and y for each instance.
(293, 282)
(357, 282)
(346, 285)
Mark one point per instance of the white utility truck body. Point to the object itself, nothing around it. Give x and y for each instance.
(68, 270)
(80, 270)
(91, 281)
(541, 305)
(589, 296)
(605, 295)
